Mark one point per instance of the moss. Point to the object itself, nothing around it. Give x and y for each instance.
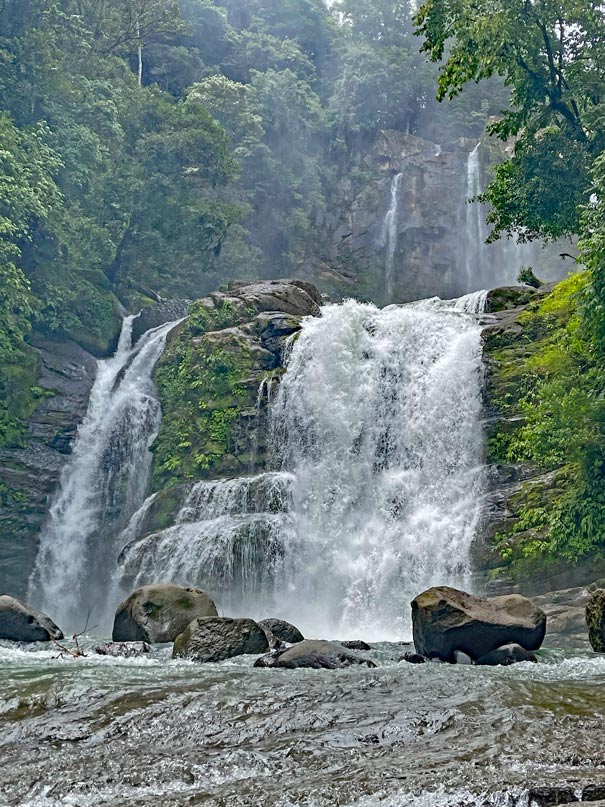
(203, 389)
(19, 396)
(545, 390)
(507, 297)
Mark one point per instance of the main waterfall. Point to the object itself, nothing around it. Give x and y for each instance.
(377, 486)
(102, 485)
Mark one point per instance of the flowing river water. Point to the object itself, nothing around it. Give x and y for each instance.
(376, 492)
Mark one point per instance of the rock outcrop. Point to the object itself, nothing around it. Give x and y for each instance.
(595, 620)
(316, 654)
(217, 373)
(282, 630)
(20, 622)
(505, 656)
(445, 620)
(215, 639)
(159, 613)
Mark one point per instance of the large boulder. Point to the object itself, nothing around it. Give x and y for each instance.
(219, 638)
(159, 613)
(22, 623)
(595, 620)
(282, 630)
(314, 653)
(445, 620)
(505, 656)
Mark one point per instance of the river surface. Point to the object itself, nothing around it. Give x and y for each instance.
(152, 731)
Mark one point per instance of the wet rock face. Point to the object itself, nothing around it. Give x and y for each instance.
(218, 638)
(31, 472)
(20, 622)
(158, 314)
(595, 620)
(159, 613)
(282, 630)
(316, 654)
(445, 620)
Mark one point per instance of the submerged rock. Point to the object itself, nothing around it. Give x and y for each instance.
(159, 613)
(123, 649)
(282, 630)
(317, 654)
(414, 658)
(505, 656)
(445, 620)
(595, 620)
(20, 622)
(218, 638)
(355, 644)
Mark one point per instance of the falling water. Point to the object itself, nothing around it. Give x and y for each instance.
(389, 237)
(103, 484)
(380, 489)
(476, 230)
(382, 434)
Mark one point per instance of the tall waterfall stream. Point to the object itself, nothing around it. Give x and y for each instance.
(375, 492)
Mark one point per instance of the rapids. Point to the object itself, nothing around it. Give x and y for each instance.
(101, 731)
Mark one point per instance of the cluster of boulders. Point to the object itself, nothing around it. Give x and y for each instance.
(448, 626)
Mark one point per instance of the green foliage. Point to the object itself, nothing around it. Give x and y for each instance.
(555, 388)
(526, 276)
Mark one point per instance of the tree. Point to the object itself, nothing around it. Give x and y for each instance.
(551, 55)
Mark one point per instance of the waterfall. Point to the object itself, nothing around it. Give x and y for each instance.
(103, 484)
(231, 536)
(380, 482)
(382, 434)
(476, 230)
(389, 237)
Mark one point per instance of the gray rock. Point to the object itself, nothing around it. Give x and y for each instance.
(549, 796)
(218, 638)
(355, 644)
(159, 613)
(22, 623)
(317, 654)
(414, 658)
(282, 630)
(504, 656)
(158, 314)
(445, 620)
(595, 620)
(123, 649)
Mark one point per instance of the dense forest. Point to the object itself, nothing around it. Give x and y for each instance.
(154, 148)
(151, 149)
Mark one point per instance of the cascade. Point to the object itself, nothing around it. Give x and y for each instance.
(389, 237)
(476, 230)
(378, 492)
(103, 483)
(382, 433)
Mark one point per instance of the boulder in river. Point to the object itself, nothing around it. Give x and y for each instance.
(282, 630)
(20, 622)
(595, 620)
(123, 649)
(314, 653)
(159, 613)
(445, 620)
(505, 656)
(218, 638)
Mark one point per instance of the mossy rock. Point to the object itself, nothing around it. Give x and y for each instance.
(506, 298)
(595, 620)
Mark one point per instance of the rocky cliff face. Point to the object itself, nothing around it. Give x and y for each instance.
(436, 239)
(29, 474)
(515, 549)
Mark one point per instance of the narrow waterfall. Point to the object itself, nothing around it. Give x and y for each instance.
(103, 484)
(476, 229)
(389, 237)
(379, 486)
